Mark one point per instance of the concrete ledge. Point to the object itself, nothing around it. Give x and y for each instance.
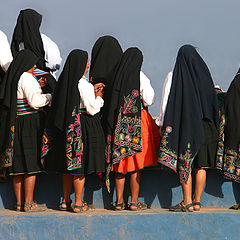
(159, 188)
(97, 224)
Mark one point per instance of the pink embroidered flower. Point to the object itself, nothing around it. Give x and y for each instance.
(183, 176)
(135, 93)
(69, 138)
(168, 129)
(109, 138)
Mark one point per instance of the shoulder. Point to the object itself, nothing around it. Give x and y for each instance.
(3, 35)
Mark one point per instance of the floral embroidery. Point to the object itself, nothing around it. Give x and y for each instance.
(182, 164)
(74, 144)
(231, 165)
(7, 156)
(129, 103)
(46, 144)
(127, 139)
(220, 147)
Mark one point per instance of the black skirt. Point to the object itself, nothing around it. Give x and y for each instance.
(206, 156)
(27, 145)
(93, 159)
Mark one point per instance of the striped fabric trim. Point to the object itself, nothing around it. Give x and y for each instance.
(39, 72)
(23, 107)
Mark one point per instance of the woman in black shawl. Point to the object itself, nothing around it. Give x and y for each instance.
(77, 145)
(231, 155)
(20, 127)
(27, 35)
(231, 159)
(129, 128)
(106, 54)
(189, 135)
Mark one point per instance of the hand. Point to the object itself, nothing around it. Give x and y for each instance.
(99, 92)
(42, 82)
(98, 86)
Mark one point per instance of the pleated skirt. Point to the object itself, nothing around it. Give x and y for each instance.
(206, 157)
(27, 145)
(150, 143)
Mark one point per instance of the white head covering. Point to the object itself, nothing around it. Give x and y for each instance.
(52, 53)
(5, 52)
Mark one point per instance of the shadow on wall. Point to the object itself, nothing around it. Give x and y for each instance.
(159, 188)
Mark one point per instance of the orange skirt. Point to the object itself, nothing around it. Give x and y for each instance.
(150, 143)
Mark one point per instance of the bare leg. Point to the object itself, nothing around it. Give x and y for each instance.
(78, 183)
(67, 180)
(29, 184)
(120, 182)
(187, 192)
(18, 189)
(200, 184)
(135, 187)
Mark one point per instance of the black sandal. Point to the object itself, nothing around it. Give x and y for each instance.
(121, 206)
(68, 206)
(139, 206)
(178, 206)
(183, 208)
(18, 207)
(80, 207)
(235, 207)
(197, 204)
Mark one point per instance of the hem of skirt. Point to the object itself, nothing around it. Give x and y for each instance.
(231, 177)
(13, 174)
(151, 165)
(201, 168)
(80, 174)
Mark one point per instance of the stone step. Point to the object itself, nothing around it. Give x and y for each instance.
(209, 223)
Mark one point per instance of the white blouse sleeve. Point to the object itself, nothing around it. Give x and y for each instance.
(92, 103)
(5, 52)
(146, 91)
(32, 91)
(165, 93)
(52, 53)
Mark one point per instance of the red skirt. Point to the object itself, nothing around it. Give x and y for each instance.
(150, 143)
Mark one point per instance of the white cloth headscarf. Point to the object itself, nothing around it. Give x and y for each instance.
(5, 52)
(52, 53)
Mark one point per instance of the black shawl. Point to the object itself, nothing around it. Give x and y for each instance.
(192, 98)
(123, 123)
(231, 159)
(106, 53)
(27, 31)
(23, 62)
(65, 111)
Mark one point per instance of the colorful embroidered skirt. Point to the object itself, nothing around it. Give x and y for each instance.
(206, 157)
(150, 143)
(27, 145)
(93, 159)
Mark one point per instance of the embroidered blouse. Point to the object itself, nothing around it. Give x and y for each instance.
(29, 88)
(5, 52)
(146, 91)
(88, 99)
(165, 94)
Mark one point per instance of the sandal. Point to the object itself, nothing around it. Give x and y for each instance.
(178, 206)
(34, 207)
(197, 204)
(119, 206)
(235, 207)
(18, 207)
(183, 208)
(68, 206)
(140, 206)
(80, 207)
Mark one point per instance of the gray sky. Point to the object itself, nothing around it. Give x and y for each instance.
(157, 27)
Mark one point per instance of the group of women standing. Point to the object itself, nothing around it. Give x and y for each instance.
(78, 127)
